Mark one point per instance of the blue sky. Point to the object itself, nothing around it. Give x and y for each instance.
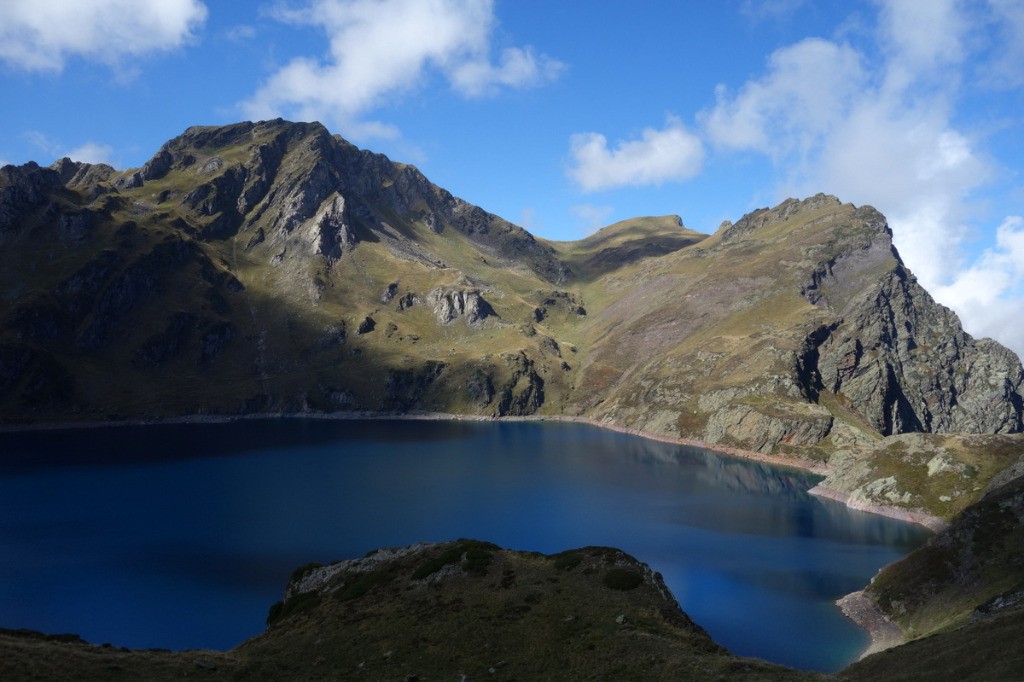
(565, 115)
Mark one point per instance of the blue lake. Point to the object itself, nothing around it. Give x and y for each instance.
(182, 536)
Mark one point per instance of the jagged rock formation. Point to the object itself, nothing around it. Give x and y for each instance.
(901, 359)
(272, 266)
(149, 289)
(452, 304)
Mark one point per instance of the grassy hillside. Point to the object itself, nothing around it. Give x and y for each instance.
(960, 598)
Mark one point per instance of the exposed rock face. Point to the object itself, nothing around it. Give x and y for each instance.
(480, 388)
(795, 327)
(523, 393)
(327, 200)
(404, 388)
(23, 190)
(902, 359)
(449, 305)
(761, 430)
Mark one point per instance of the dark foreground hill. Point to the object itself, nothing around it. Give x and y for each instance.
(960, 598)
(459, 610)
(470, 610)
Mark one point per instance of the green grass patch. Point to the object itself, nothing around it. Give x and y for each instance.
(474, 556)
(300, 603)
(567, 562)
(622, 579)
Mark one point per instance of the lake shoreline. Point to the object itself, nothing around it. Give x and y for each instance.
(883, 632)
(932, 523)
(850, 605)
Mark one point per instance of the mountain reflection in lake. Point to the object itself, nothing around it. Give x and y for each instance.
(182, 536)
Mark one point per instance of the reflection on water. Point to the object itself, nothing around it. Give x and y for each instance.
(182, 535)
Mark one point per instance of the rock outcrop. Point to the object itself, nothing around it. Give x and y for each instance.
(450, 305)
(903, 360)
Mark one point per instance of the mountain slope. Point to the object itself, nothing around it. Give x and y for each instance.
(765, 333)
(960, 598)
(273, 267)
(262, 266)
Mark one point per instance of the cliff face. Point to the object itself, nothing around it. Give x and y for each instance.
(902, 360)
(274, 267)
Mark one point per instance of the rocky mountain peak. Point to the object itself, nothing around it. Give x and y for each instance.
(766, 222)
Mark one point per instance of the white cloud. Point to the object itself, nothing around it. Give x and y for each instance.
(39, 35)
(921, 38)
(881, 131)
(988, 295)
(88, 152)
(518, 68)
(240, 33)
(760, 10)
(808, 87)
(91, 152)
(592, 217)
(381, 48)
(670, 154)
(914, 167)
(1004, 70)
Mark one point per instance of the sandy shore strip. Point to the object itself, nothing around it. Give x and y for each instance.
(883, 632)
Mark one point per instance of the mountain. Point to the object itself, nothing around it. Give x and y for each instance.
(272, 267)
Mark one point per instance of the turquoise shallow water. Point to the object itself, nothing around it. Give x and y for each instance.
(182, 536)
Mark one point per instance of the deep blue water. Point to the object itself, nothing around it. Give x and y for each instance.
(182, 536)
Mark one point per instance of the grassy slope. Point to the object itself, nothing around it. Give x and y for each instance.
(715, 316)
(980, 557)
(960, 598)
(985, 651)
